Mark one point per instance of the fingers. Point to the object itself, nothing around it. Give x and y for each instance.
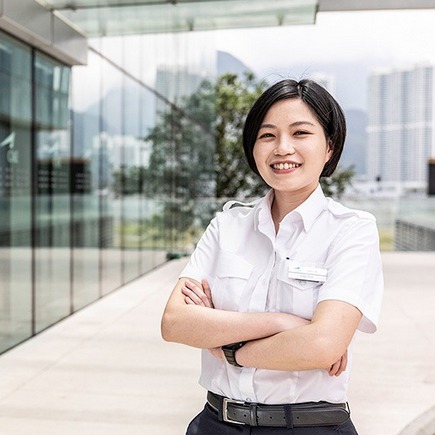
(195, 295)
(335, 368)
(343, 364)
(339, 367)
(189, 301)
(207, 291)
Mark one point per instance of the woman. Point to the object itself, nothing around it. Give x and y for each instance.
(275, 290)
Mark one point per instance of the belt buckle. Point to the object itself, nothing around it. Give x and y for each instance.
(225, 403)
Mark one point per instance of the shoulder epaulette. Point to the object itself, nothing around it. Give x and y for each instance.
(236, 204)
(339, 209)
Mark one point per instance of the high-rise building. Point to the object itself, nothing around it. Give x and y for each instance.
(401, 124)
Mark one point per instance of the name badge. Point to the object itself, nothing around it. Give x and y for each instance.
(305, 273)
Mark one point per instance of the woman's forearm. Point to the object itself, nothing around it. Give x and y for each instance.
(297, 349)
(205, 328)
(317, 345)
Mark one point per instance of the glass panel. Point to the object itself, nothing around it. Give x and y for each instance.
(131, 180)
(110, 164)
(85, 177)
(52, 201)
(149, 230)
(15, 193)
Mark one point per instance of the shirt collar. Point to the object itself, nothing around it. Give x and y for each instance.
(308, 211)
(263, 214)
(311, 208)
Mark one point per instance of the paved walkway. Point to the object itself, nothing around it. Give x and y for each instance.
(105, 370)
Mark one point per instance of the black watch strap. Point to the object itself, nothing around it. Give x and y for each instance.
(230, 352)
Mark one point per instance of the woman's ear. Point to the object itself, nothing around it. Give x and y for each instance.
(329, 150)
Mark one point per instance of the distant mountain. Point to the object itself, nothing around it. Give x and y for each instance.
(115, 120)
(227, 63)
(350, 79)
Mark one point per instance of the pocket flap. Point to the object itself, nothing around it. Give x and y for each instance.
(231, 265)
(302, 284)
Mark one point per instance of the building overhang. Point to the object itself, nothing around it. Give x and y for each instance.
(122, 17)
(30, 22)
(117, 17)
(61, 27)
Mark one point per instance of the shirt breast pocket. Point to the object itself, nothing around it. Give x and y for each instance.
(232, 274)
(297, 296)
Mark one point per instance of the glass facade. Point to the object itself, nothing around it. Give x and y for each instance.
(15, 192)
(94, 184)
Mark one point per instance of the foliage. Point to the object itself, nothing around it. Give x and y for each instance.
(234, 97)
(128, 181)
(197, 152)
(335, 185)
(197, 147)
(181, 159)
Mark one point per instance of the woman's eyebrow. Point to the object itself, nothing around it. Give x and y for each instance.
(298, 123)
(267, 126)
(293, 124)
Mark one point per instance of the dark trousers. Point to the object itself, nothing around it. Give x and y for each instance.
(207, 423)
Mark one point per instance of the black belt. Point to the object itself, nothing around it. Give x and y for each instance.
(294, 415)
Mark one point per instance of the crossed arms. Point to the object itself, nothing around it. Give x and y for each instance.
(276, 341)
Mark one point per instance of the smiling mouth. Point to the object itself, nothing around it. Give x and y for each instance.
(282, 166)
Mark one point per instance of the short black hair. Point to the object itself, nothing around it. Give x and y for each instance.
(322, 104)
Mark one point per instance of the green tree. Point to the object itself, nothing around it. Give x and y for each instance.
(197, 152)
(181, 164)
(181, 160)
(234, 97)
(197, 146)
(335, 185)
(128, 180)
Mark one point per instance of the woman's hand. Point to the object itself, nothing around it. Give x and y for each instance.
(197, 295)
(339, 367)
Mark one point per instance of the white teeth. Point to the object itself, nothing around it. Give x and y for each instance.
(282, 166)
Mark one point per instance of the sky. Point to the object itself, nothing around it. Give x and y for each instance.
(348, 45)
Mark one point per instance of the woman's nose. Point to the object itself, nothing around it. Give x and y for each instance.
(284, 147)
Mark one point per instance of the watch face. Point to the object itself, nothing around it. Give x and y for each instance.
(234, 346)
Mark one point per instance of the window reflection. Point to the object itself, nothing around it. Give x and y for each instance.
(110, 145)
(90, 197)
(85, 170)
(52, 199)
(15, 193)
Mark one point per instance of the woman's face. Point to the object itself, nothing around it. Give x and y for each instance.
(291, 148)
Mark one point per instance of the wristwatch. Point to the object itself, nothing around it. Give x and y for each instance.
(230, 352)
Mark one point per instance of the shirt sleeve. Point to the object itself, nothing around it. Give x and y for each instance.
(355, 271)
(201, 263)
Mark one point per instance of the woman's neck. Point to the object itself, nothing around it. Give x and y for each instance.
(285, 202)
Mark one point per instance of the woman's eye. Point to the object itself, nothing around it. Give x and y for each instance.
(265, 135)
(301, 133)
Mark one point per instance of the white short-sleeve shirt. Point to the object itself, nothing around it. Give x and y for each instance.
(247, 263)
